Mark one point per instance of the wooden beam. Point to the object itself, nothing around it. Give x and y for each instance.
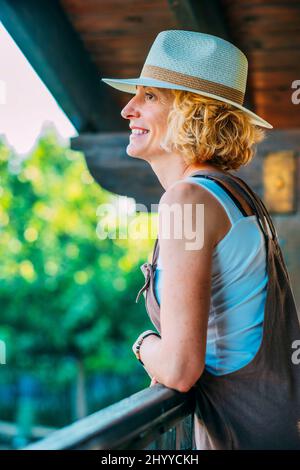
(51, 45)
(115, 170)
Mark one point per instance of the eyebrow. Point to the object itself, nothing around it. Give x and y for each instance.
(151, 88)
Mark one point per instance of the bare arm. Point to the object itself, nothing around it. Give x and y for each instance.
(177, 359)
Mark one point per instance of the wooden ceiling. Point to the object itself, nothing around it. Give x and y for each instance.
(268, 32)
(117, 35)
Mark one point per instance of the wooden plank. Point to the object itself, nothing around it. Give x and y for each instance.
(129, 23)
(51, 45)
(276, 100)
(279, 120)
(285, 116)
(258, 25)
(250, 3)
(140, 42)
(80, 7)
(273, 112)
(270, 41)
(272, 79)
(269, 34)
(249, 11)
(275, 59)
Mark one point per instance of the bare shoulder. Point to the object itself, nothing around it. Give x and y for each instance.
(185, 194)
(185, 191)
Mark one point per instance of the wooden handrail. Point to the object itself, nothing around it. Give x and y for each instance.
(131, 423)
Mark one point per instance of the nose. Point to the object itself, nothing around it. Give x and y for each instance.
(130, 109)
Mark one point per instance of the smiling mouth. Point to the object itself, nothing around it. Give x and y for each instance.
(139, 135)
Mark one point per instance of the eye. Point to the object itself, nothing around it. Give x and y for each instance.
(149, 94)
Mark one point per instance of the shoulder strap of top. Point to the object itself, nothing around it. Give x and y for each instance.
(233, 198)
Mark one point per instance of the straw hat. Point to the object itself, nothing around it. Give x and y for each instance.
(196, 62)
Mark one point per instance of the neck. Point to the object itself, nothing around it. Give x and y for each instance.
(170, 171)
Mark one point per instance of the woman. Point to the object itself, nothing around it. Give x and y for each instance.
(223, 306)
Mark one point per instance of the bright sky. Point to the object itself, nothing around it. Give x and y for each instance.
(25, 103)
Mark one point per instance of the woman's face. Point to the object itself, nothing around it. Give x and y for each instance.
(148, 110)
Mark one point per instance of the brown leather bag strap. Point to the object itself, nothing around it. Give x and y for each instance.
(244, 191)
(260, 202)
(272, 227)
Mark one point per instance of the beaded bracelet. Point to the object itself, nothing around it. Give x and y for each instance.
(140, 341)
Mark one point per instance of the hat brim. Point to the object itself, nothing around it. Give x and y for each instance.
(128, 85)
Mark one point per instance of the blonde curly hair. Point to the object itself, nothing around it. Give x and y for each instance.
(208, 130)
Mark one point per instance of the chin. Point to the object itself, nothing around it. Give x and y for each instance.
(134, 153)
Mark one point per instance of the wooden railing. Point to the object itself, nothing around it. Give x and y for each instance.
(154, 418)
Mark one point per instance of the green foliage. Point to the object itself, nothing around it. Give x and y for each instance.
(65, 294)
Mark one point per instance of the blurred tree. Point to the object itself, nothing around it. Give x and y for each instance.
(67, 296)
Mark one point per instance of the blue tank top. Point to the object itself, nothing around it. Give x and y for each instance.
(238, 289)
